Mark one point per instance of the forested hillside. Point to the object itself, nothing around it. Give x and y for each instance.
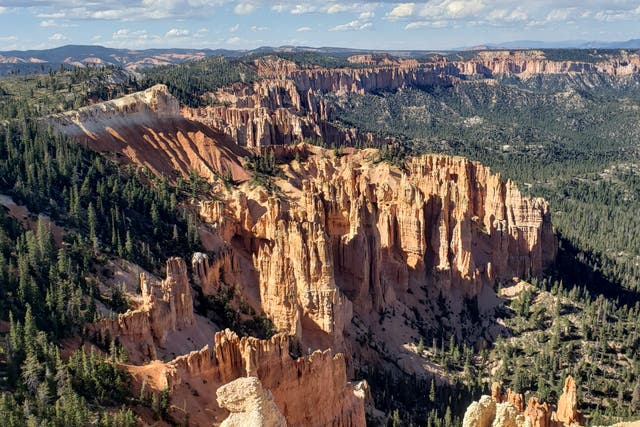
(47, 293)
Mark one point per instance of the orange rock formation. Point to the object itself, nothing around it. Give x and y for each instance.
(308, 391)
(354, 236)
(147, 129)
(341, 236)
(506, 410)
(166, 307)
(567, 412)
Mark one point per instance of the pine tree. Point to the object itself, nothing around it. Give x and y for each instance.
(92, 221)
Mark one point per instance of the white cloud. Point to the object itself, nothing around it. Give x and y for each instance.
(403, 10)
(464, 8)
(176, 32)
(337, 8)
(125, 33)
(128, 38)
(279, 7)
(317, 6)
(234, 28)
(527, 18)
(234, 40)
(57, 37)
(354, 25)
(300, 9)
(257, 29)
(56, 15)
(121, 10)
(244, 8)
(558, 15)
(428, 24)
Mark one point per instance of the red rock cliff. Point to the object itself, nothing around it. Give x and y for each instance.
(308, 391)
(166, 307)
(349, 235)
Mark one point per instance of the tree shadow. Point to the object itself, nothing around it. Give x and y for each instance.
(577, 267)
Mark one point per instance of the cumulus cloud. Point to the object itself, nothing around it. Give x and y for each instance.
(316, 6)
(337, 8)
(435, 13)
(57, 37)
(354, 25)
(125, 37)
(244, 8)
(122, 10)
(125, 33)
(588, 17)
(507, 16)
(403, 10)
(300, 9)
(175, 32)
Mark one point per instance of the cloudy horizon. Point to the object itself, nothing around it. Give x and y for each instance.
(248, 24)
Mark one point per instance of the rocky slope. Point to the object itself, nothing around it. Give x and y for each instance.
(147, 129)
(166, 306)
(166, 312)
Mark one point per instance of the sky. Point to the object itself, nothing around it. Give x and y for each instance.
(247, 24)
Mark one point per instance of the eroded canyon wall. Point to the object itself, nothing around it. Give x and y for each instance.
(308, 391)
(288, 104)
(349, 235)
(166, 307)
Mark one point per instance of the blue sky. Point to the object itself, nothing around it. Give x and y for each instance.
(246, 24)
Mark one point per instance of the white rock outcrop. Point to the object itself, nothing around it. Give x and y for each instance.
(250, 404)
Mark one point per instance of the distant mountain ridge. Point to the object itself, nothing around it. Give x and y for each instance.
(39, 61)
(33, 61)
(566, 44)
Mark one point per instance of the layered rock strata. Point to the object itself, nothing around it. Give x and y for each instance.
(147, 128)
(288, 104)
(166, 307)
(308, 391)
(349, 235)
